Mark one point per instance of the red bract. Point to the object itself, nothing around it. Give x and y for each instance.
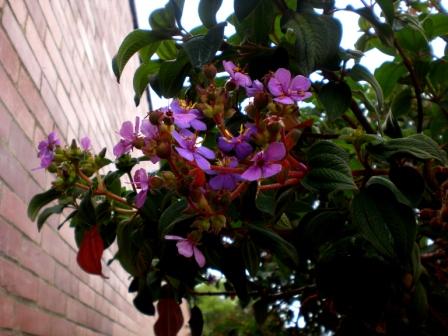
(91, 251)
(170, 318)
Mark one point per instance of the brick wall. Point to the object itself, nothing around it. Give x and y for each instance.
(55, 75)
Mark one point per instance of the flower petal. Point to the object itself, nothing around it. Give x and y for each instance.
(127, 131)
(201, 162)
(229, 66)
(140, 198)
(185, 248)
(300, 83)
(85, 143)
(173, 237)
(242, 79)
(206, 152)
(271, 169)
(216, 182)
(253, 173)
(284, 78)
(242, 150)
(180, 140)
(275, 151)
(225, 145)
(275, 88)
(149, 130)
(186, 154)
(284, 100)
(199, 256)
(198, 125)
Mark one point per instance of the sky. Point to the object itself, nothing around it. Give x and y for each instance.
(190, 19)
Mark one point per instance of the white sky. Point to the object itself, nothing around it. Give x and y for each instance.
(190, 19)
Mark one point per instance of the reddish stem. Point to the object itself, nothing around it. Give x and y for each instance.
(230, 170)
(274, 186)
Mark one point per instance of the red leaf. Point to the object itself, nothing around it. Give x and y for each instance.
(170, 318)
(91, 251)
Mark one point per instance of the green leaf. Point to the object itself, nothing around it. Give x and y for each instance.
(207, 11)
(336, 98)
(418, 146)
(40, 200)
(361, 73)
(172, 75)
(147, 52)
(413, 40)
(162, 18)
(388, 75)
(167, 50)
(386, 183)
(132, 43)
(436, 25)
(243, 8)
(317, 40)
(387, 6)
(329, 168)
(383, 30)
(173, 215)
(46, 213)
(141, 78)
(86, 211)
(401, 103)
(201, 49)
(266, 202)
(270, 240)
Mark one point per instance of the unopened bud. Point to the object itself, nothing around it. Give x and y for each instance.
(154, 117)
(163, 150)
(209, 71)
(251, 111)
(218, 222)
(156, 182)
(230, 85)
(261, 100)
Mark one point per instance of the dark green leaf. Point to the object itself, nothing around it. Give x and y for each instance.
(162, 18)
(317, 40)
(251, 256)
(143, 301)
(436, 25)
(329, 168)
(43, 216)
(243, 8)
(86, 211)
(173, 215)
(361, 73)
(336, 98)
(266, 202)
(167, 50)
(401, 103)
(207, 11)
(141, 78)
(413, 40)
(383, 30)
(132, 43)
(386, 183)
(196, 321)
(172, 75)
(201, 49)
(40, 200)
(418, 146)
(260, 308)
(387, 6)
(270, 240)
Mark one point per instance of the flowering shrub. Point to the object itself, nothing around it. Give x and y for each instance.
(292, 190)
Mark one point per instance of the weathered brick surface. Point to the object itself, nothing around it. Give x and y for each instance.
(55, 74)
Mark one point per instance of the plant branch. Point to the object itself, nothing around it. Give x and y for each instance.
(361, 118)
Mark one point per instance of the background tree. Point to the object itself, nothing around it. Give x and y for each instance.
(340, 205)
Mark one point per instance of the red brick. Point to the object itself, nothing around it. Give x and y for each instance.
(13, 209)
(33, 99)
(54, 245)
(11, 172)
(17, 281)
(65, 281)
(76, 311)
(32, 257)
(19, 9)
(61, 326)
(51, 20)
(23, 149)
(41, 53)
(6, 311)
(67, 107)
(5, 123)
(31, 320)
(57, 61)
(19, 41)
(14, 103)
(53, 106)
(8, 56)
(51, 298)
(38, 17)
(86, 294)
(10, 240)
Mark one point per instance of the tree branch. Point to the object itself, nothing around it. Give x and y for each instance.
(361, 118)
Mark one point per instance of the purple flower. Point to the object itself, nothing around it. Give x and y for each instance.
(185, 117)
(129, 134)
(263, 166)
(46, 149)
(141, 181)
(237, 75)
(150, 133)
(190, 151)
(287, 91)
(187, 248)
(257, 87)
(239, 143)
(226, 181)
(85, 143)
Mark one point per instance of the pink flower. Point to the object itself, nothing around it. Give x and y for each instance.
(46, 149)
(287, 91)
(85, 143)
(263, 163)
(237, 75)
(187, 248)
(129, 134)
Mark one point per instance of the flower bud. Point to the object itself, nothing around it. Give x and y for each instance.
(202, 224)
(261, 100)
(163, 150)
(218, 222)
(230, 85)
(251, 111)
(154, 117)
(156, 182)
(209, 71)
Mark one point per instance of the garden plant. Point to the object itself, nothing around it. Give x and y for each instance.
(331, 192)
